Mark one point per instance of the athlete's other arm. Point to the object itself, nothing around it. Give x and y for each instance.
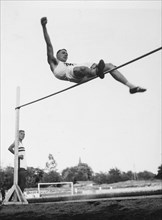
(12, 150)
(50, 56)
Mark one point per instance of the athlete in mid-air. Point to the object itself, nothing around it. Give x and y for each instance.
(79, 73)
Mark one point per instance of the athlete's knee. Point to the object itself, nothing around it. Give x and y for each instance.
(110, 65)
(94, 66)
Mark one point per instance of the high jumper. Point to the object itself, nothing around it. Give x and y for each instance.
(79, 73)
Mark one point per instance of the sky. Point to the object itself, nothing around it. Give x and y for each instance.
(100, 121)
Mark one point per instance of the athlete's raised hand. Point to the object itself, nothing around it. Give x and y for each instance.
(43, 21)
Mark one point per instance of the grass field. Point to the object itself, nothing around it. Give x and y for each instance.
(133, 209)
(111, 208)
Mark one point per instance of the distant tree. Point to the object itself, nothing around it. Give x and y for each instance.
(6, 177)
(9, 173)
(52, 176)
(1, 177)
(159, 174)
(38, 175)
(30, 180)
(114, 175)
(100, 178)
(69, 174)
(145, 175)
(114, 172)
(130, 175)
(82, 172)
(34, 176)
(125, 176)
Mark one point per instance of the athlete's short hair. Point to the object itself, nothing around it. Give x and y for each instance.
(60, 50)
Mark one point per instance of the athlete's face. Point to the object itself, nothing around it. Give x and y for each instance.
(62, 55)
(21, 135)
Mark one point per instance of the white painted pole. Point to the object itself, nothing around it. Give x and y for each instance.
(72, 188)
(16, 136)
(39, 189)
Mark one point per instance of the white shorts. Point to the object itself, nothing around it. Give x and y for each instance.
(64, 71)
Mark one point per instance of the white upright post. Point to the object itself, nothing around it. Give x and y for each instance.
(15, 195)
(16, 135)
(72, 188)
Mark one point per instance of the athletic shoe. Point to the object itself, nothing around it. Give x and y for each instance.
(137, 89)
(100, 69)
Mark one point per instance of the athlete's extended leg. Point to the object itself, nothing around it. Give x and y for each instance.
(120, 78)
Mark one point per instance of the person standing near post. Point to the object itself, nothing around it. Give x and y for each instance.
(22, 164)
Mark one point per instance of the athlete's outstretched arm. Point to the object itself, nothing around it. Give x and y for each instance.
(11, 148)
(50, 54)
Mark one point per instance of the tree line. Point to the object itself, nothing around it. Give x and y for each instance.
(81, 172)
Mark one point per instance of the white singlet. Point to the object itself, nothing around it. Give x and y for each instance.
(21, 151)
(64, 71)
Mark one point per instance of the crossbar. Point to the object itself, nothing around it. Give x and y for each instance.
(78, 84)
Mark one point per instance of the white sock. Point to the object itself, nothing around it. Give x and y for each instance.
(130, 85)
